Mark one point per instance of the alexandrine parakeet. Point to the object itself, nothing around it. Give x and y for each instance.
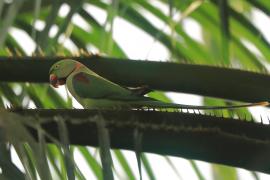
(93, 91)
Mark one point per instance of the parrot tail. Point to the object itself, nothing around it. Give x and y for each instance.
(159, 104)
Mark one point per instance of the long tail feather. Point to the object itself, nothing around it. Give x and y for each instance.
(159, 104)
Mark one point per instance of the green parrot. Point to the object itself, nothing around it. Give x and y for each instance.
(95, 92)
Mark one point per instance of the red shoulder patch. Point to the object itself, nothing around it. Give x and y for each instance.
(82, 78)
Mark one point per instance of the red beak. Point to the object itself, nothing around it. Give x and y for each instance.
(54, 80)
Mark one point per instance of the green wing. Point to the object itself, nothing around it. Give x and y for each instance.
(91, 86)
(95, 87)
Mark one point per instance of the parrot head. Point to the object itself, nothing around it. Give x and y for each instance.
(61, 70)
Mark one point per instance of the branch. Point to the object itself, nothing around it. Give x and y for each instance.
(194, 136)
(197, 79)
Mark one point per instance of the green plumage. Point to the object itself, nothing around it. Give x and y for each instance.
(93, 91)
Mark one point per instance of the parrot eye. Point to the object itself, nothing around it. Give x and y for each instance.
(56, 67)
